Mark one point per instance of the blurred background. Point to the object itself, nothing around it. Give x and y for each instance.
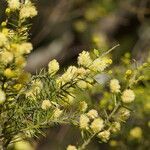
(63, 28)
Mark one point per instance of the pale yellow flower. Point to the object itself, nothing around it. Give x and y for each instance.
(114, 86)
(115, 127)
(84, 122)
(104, 135)
(92, 114)
(128, 96)
(71, 147)
(21, 49)
(81, 72)
(26, 48)
(68, 75)
(28, 11)
(84, 59)
(46, 104)
(2, 96)
(53, 66)
(13, 4)
(6, 57)
(100, 64)
(97, 125)
(123, 113)
(83, 106)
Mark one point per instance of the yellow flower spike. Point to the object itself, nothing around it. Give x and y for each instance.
(9, 73)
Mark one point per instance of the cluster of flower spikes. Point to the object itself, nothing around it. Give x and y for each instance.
(13, 50)
(83, 77)
(93, 123)
(14, 46)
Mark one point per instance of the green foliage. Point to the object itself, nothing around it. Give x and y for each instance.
(32, 103)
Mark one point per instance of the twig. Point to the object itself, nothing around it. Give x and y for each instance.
(110, 50)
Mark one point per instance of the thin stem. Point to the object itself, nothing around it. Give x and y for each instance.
(112, 113)
(83, 146)
(110, 50)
